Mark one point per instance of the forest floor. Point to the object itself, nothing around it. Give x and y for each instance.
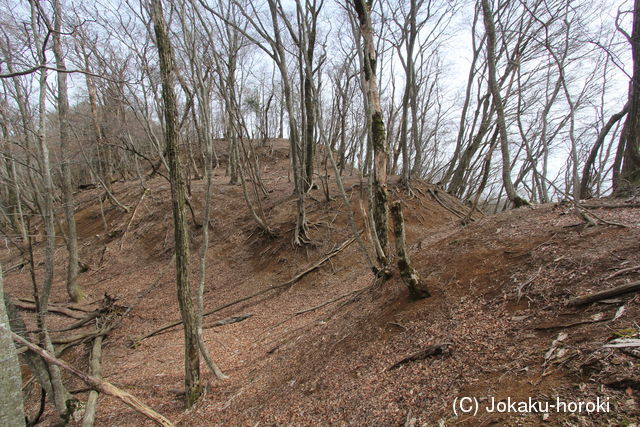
(499, 286)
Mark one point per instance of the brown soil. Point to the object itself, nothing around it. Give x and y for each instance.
(499, 286)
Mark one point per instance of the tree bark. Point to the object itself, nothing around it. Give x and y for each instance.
(409, 275)
(499, 105)
(193, 386)
(628, 180)
(11, 409)
(585, 191)
(96, 371)
(380, 148)
(75, 294)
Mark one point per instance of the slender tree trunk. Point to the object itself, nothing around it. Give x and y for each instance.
(60, 394)
(587, 176)
(208, 167)
(499, 106)
(193, 386)
(75, 294)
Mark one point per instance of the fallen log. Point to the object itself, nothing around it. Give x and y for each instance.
(77, 337)
(432, 350)
(597, 296)
(79, 324)
(289, 282)
(69, 305)
(96, 383)
(96, 370)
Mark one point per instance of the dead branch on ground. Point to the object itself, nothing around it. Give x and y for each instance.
(135, 341)
(598, 296)
(96, 383)
(432, 350)
(133, 215)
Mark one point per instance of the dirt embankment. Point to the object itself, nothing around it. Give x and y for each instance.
(500, 289)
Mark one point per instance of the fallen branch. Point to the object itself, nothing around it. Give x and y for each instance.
(611, 206)
(297, 313)
(623, 343)
(618, 290)
(96, 370)
(623, 271)
(228, 321)
(441, 203)
(289, 282)
(51, 309)
(133, 215)
(77, 337)
(68, 306)
(96, 383)
(570, 325)
(18, 266)
(432, 350)
(79, 323)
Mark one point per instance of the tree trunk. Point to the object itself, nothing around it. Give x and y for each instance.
(193, 387)
(11, 409)
(409, 275)
(379, 145)
(499, 106)
(75, 294)
(60, 394)
(628, 181)
(587, 177)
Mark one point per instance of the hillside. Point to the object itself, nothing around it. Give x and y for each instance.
(322, 350)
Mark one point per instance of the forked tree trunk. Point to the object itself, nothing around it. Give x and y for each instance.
(193, 386)
(60, 394)
(499, 105)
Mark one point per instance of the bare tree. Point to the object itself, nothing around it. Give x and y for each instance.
(626, 177)
(193, 386)
(380, 204)
(75, 294)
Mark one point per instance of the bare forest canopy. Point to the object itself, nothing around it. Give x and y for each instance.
(562, 69)
(498, 104)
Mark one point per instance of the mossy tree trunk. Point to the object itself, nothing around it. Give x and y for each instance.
(193, 386)
(409, 275)
(380, 205)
